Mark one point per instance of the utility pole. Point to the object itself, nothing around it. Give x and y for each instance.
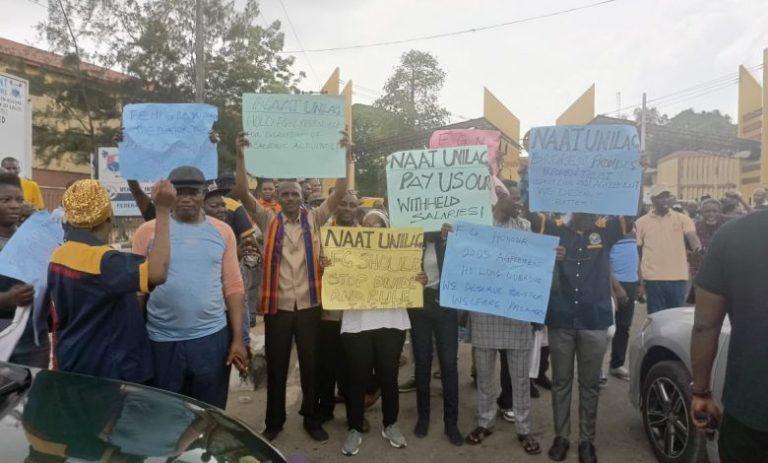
(642, 127)
(199, 52)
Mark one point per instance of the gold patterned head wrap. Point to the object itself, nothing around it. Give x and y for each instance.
(86, 204)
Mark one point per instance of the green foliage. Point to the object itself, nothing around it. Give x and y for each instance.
(709, 122)
(152, 42)
(411, 93)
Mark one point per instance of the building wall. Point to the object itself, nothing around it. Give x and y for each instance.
(692, 175)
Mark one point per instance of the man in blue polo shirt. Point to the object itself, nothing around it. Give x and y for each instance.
(98, 324)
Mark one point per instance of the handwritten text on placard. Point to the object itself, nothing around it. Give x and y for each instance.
(431, 187)
(159, 137)
(498, 271)
(585, 168)
(372, 268)
(294, 135)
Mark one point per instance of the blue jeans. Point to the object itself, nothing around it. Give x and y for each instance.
(662, 295)
(444, 323)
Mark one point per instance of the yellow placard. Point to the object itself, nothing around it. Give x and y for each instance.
(372, 268)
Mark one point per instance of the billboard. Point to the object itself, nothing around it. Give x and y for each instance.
(123, 204)
(16, 122)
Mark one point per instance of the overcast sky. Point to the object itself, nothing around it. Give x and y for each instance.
(536, 68)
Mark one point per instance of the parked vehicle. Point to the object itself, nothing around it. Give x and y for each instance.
(660, 386)
(51, 416)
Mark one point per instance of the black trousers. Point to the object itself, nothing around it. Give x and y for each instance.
(443, 324)
(741, 444)
(331, 367)
(624, 314)
(373, 350)
(280, 329)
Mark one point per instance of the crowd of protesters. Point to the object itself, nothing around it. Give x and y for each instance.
(213, 256)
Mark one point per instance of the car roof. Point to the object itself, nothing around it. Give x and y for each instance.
(46, 414)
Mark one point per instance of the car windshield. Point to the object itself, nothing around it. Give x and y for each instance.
(67, 417)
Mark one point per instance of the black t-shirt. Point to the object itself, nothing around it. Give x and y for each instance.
(736, 268)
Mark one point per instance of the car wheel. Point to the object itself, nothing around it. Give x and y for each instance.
(666, 415)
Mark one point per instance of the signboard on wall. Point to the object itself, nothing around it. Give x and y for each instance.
(16, 122)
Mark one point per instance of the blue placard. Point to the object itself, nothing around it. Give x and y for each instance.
(26, 255)
(498, 271)
(159, 137)
(585, 168)
(294, 135)
(427, 188)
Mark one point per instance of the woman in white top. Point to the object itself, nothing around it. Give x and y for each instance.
(373, 340)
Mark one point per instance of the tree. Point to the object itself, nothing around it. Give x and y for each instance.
(411, 93)
(370, 124)
(708, 122)
(152, 42)
(652, 116)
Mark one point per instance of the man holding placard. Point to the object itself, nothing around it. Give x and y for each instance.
(290, 289)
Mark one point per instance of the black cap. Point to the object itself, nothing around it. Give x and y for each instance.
(187, 176)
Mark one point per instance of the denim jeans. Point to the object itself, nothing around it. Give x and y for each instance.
(444, 324)
(662, 295)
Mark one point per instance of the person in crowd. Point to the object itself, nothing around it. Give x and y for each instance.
(316, 185)
(491, 333)
(373, 340)
(290, 290)
(759, 199)
(625, 263)
(663, 239)
(731, 282)
(692, 209)
(98, 324)
(29, 187)
(441, 324)
(14, 293)
(267, 196)
(711, 221)
(306, 190)
(315, 200)
(579, 314)
(734, 204)
(379, 205)
(331, 368)
(195, 318)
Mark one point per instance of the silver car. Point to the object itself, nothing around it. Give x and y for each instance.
(660, 369)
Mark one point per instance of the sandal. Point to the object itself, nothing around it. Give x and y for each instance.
(478, 435)
(529, 444)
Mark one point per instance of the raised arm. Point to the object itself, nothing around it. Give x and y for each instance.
(159, 255)
(240, 191)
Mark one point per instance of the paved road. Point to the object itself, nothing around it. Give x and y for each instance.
(620, 436)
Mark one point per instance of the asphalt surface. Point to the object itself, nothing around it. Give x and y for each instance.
(620, 436)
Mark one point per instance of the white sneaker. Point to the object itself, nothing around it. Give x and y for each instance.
(622, 373)
(352, 444)
(394, 436)
(507, 414)
(603, 380)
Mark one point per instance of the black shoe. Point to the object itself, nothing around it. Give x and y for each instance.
(422, 427)
(544, 382)
(559, 449)
(587, 452)
(535, 394)
(318, 434)
(454, 435)
(270, 434)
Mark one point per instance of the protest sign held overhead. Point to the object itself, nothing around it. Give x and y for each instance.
(123, 203)
(469, 137)
(585, 168)
(159, 137)
(431, 187)
(498, 271)
(372, 268)
(294, 135)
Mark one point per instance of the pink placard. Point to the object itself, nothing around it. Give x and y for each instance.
(469, 137)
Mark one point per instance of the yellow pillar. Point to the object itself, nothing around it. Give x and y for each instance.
(347, 94)
(508, 124)
(764, 141)
(581, 112)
